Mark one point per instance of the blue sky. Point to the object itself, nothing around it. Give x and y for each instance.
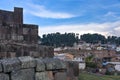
(78, 16)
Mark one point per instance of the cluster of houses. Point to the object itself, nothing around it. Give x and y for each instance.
(103, 54)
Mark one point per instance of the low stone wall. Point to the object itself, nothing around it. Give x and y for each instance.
(29, 68)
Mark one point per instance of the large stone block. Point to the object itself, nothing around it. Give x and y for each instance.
(0, 67)
(72, 70)
(40, 65)
(43, 76)
(50, 64)
(50, 75)
(24, 74)
(60, 64)
(61, 76)
(4, 76)
(34, 54)
(27, 62)
(10, 64)
(54, 64)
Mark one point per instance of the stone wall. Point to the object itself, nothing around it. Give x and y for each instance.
(28, 68)
(18, 39)
(11, 17)
(13, 29)
(10, 50)
(19, 33)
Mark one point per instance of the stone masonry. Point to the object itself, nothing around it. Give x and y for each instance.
(13, 29)
(22, 58)
(18, 39)
(29, 68)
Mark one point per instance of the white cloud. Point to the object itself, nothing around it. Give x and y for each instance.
(117, 28)
(41, 11)
(107, 28)
(113, 14)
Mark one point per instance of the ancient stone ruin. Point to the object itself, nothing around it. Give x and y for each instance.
(22, 58)
(13, 29)
(18, 39)
(29, 68)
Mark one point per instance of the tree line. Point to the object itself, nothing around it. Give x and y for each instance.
(96, 38)
(68, 39)
(58, 39)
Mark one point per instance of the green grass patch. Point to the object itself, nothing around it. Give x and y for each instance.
(88, 76)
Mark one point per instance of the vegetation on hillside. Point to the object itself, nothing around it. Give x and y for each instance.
(68, 39)
(57, 39)
(95, 38)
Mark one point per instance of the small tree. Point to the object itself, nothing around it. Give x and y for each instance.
(89, 62)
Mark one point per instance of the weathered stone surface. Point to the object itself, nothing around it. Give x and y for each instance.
(60, 64)
(24, 74)
(40, 65)
(35, 54)
(73, 67)
(10, 64)
(0, 66)
(72, 70)
(27, 62)
(53, 64)
(60, 76)
(43, 69)
(46, 51)
(41, 76)
(16, 39)
(4, 76)
(50, 75)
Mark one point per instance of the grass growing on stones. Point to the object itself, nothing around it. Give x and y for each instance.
(88, 76)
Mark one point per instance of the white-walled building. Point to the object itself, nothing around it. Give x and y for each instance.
(116, 65)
